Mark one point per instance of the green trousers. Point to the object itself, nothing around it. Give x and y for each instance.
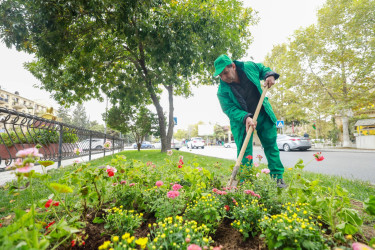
(267, 134)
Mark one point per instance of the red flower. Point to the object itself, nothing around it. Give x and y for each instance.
(48, 203)
(56, 203)
(73, 243)
(50, 224)
(1, 225)
(83, 243)
(110, 173)
(319, 156)
(249, 157)
(226, 207)
(179, 166)
(180, 162)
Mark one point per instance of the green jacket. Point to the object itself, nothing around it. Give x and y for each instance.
(232, 108)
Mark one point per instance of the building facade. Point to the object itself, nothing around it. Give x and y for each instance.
(21, 104)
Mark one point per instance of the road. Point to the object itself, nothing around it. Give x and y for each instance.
(350, 164)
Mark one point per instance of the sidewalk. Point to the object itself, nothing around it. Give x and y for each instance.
(342, 149)
(7, 176)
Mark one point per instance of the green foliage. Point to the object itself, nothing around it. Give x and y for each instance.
(292, 229)
(154, 45)
(327, 69)
(175, 233)
(122, 221)
(207, 210)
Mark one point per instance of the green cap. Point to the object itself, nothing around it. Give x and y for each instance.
(220, 63)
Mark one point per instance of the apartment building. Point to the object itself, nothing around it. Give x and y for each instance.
(21, 104)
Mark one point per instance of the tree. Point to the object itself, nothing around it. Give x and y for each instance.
(95, 126)
(130, 50)
(181, 134)
(334, 61)
(79, 117)
(139, 121)
(63, 115)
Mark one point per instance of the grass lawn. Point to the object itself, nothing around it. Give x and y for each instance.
(22, 199)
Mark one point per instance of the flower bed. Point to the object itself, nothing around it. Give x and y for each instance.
(128, 204)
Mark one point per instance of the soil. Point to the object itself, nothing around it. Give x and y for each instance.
(229, 238)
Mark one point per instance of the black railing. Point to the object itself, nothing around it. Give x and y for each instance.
(58, 140)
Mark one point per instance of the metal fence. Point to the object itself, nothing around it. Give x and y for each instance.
(58, 141)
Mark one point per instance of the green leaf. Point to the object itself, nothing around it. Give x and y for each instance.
(369, 205)
(299, 164)
(97, 220)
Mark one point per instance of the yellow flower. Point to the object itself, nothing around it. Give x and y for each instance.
(115, 238)
(349, 237)
(163, 236)
(187, 230)
(142, 242)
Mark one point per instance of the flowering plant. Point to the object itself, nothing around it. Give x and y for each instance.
(247, 216)
(175, 233)
(107, 145)
(122, 221)
(295, 228)
(208, 210)
(77, 151)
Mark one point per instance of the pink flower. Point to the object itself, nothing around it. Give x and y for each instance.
(48, 203)
(33, 152)
(123, 182)
(77, 151)
(360, 246)
(215, 190)
(26, 168)
(176, 187)
(256, 164)
(200, 169)
(131, 184)
(107, 145)
(265, 170)
(76, 161)
(173, 194)
(149, 163)
(217, 248)
(194, 247)
(169, 152)
(259, 157)
(114, 184)
(257, 175)
(187, 240)
(319, 156)
(159, 183)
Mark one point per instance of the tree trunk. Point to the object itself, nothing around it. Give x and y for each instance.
(345, 130)
(162, 127)
(170, 120)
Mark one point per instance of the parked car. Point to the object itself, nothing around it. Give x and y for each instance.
(145, 144)
(293, 142)
(230, 145)
(96, 143)
(195, 142)
(175, 144)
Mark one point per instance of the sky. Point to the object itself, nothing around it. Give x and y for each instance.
(278, 21)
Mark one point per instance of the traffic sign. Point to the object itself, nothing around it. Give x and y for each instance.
(279, 124)
(175, 120)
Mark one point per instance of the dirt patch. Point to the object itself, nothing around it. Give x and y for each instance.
(229, 238)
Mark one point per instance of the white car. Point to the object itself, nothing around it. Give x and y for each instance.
(230, 145)
(96, 143)
(195, 142)
(175, 144)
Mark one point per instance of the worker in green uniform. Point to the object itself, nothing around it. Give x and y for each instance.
(239, 93)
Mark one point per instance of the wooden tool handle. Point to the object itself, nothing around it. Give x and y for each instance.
(247, 138)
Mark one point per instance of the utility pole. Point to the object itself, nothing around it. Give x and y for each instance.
(106, 114)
